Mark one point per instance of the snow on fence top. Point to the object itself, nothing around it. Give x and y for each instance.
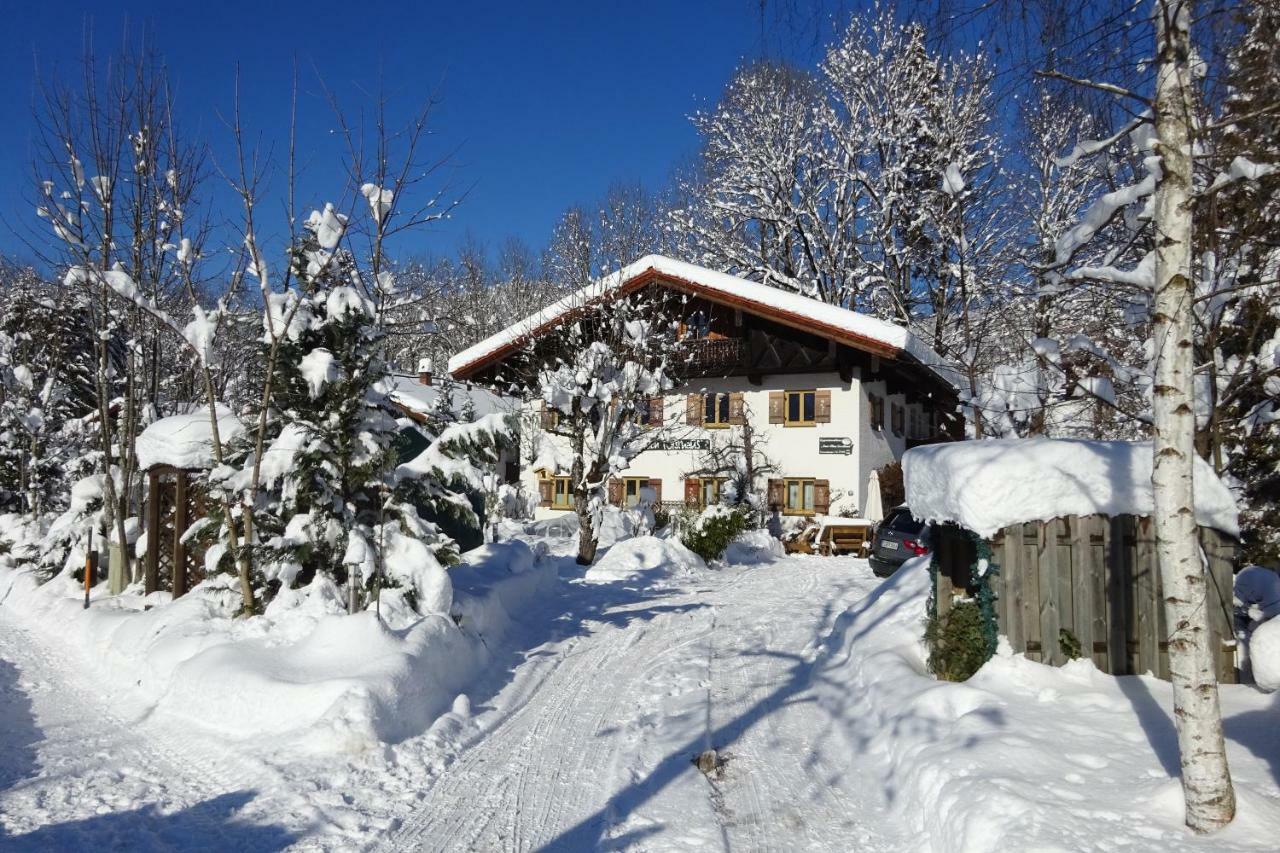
(988, 485)
(185, 441)
(860, 330)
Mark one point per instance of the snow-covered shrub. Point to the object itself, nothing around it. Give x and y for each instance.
(709, 533)
(1257, 594)
(957, 647)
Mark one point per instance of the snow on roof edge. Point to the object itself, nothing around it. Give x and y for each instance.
(856, 324)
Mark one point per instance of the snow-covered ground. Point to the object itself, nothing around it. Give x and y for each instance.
(804, 673)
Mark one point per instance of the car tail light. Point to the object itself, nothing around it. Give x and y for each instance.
(915, 547)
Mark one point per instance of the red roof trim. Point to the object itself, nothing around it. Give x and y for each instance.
(650, 275)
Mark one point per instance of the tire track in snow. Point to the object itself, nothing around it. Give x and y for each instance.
(557, 759)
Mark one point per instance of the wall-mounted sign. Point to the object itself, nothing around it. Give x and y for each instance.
(681, 444)
(842, 446)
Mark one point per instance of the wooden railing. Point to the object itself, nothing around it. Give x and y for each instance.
(715, 353)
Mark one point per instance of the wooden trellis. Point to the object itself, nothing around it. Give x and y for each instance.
(172, 506)
(1090, 586)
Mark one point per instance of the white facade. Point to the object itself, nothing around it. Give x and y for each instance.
(793, 450)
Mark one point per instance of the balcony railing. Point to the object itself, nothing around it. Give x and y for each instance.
(715, 353)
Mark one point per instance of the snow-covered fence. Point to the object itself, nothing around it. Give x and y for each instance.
(1088, 586)
(1072, 545)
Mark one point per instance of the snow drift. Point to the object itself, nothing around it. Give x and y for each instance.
(303, 673)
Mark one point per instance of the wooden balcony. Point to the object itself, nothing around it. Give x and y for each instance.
(714, 354)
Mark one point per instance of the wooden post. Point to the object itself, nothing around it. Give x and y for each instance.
(1015, 624)
(1147, 598)
(1047, 580)
(151, 571)
(1082, 570)
(1031, 592)
(1119, 553)
(180, 527)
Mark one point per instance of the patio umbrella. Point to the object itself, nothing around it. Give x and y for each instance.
(874, 510)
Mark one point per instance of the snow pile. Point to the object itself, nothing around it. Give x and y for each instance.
(304, 673)
(644, 560)
(988, 485)
(1026, 756)
(753, 546)
(186, 441)
(1264, 655)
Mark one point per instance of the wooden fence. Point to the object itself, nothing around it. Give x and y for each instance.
(1088, 586)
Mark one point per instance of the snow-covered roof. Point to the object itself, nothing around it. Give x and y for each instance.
(412, 394)
(185, 441)
(988, 485)
(858, 330)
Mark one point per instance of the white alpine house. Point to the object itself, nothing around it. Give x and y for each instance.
(824, 395)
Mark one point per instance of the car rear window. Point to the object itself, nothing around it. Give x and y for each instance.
(903, 522)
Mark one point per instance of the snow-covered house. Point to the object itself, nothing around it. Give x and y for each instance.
(828, 394)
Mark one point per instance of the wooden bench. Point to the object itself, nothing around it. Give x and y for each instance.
(837, 539)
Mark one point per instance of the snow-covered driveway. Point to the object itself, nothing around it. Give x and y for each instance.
(591, 743)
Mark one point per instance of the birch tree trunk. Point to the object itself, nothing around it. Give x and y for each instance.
(1206, 779)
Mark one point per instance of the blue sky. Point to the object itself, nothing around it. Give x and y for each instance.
(545, 104)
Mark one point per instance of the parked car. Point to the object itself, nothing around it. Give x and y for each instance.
(898, 538)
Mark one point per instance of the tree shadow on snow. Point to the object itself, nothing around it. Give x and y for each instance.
(801, 676)
(19, 733)
(576, 609)
(1155, 721)
(207, 826)
(1259, 732)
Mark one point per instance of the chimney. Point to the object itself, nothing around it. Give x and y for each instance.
(424, 371)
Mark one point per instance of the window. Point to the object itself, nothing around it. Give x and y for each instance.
(631, 487)
(799, 497)
(649, 411)
(561, 493)
(876, 408)
(801, 408)
(703, 491)
(898, 414)
(715, 410)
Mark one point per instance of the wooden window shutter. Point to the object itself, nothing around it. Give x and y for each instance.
(737, 408)
(777, 407)
(821, 496)
(655, 411)
(546, 490)
(656, 486)
(822, 407)
(693, 410)
(876, 409)
(692, 492)
(546, 416)
(777, 493)
(897, 419)
(615, 492)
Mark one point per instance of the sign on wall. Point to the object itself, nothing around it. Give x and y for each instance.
(681, 444)
(842, 446)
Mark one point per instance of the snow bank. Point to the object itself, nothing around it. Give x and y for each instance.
(1025, 756)
(988, 485)
(185, 441)
(644, 560)
(304, 673)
